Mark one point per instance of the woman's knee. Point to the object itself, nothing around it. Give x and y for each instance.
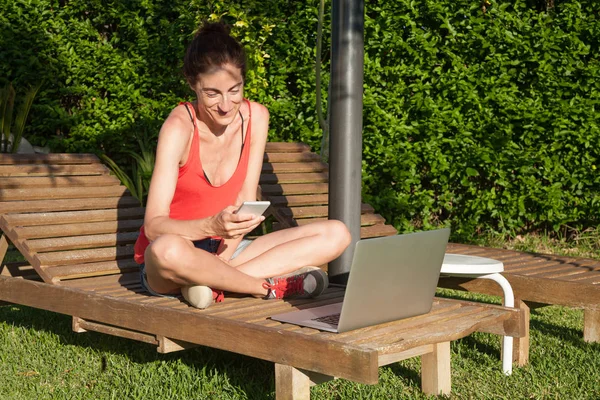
(338, 234)
(166, 251)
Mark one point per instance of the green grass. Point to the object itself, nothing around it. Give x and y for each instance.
(41, 358)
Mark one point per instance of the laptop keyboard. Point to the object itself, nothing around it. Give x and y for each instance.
(332, 319)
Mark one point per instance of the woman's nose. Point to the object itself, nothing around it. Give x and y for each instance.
(225, 103)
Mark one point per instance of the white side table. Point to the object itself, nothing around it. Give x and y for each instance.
(485, 268)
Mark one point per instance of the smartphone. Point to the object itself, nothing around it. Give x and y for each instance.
(256, 208)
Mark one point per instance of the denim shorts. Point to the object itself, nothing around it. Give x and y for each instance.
(210, 245)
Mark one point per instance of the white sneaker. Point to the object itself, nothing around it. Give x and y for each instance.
(201, 296)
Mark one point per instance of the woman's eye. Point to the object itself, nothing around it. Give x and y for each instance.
(211, 95)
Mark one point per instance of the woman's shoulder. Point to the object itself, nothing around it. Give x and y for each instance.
(258, 111)
(178, 122)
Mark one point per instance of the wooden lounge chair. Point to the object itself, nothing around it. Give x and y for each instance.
(538, 280)
(75, 226)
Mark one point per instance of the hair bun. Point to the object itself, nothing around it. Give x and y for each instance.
(213, 27)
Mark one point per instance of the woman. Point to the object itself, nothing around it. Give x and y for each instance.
(208, 162)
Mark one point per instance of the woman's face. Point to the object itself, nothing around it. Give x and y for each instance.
(220, 94)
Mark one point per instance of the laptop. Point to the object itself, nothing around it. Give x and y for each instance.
(391, 278)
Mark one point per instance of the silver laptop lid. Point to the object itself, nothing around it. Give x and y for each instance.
(393, 277)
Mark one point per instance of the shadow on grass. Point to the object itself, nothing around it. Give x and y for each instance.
(254, 377)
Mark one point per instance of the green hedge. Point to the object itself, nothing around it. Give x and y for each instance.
(481, 115)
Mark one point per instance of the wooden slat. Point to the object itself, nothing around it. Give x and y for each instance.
(52, 170)
(303, 200)
(295, 188)
(63, 230)
(280, 168)
(83, 256)
(64, 272)
(62, 193)
(98, 283)
(290, 157)
(53, 158)
(285, 147)
(81, 242)
(318, 211)
(294, 178)
(365, 220)
(57, 181)
(115, 331)
(69, 217)
(377, 231)
(68, 204)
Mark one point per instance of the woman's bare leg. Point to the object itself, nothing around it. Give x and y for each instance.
(173, 262)
(284, 251)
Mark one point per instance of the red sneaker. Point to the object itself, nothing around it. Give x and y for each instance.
(305, 282)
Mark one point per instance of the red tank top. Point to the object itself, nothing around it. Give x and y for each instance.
(195, 197)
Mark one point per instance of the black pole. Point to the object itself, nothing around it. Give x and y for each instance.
(345, 125)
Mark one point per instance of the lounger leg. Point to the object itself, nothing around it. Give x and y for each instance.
(291, 383)
(521, 345)
(435, 370)
(591, 325)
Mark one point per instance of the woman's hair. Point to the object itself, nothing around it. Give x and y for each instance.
(211, 48)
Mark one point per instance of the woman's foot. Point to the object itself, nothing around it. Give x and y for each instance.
(305, 282)
(201, 296)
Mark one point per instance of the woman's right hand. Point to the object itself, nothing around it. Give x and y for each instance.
(228, 225)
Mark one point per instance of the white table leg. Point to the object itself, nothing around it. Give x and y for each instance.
(509, 301)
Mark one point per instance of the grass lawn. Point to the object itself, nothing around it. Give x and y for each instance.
(41, 358)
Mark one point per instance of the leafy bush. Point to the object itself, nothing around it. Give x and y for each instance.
(482, 115)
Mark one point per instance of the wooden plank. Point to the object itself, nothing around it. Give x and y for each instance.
(52, 170)
(286, 147)
(81, 242)
(69, 204)
(191, 325)
(296, 201)
(316, 211)
(315, 177)
(291, 157)
(101, 282)
(82, 256)
(294, 188)
(63, 272)
(365, 220)
(53, 158)
(301, 167)
(64, 230)
(377, 231)
(70, 217)
(62, 193)
(58, 181)
(81, 325)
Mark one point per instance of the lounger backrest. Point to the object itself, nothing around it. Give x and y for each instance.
(67, 215)
(297, 183)
(71, 219)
